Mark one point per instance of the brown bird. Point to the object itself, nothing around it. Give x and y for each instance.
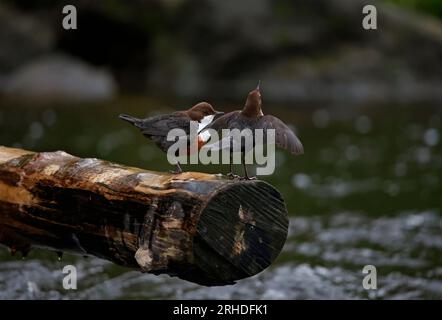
(252, 117)
(156, 128)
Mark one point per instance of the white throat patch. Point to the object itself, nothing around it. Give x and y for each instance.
(205, 122)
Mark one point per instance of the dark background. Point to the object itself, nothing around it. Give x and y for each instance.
(366, 105)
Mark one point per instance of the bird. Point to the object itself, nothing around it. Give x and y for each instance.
(251, 117)
(157, 127)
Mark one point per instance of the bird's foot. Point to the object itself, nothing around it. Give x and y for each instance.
(177, 170)
(248, 178)
(232, 176)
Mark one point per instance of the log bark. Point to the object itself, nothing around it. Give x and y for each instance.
(199, 227)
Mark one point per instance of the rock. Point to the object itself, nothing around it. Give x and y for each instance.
(302, 52)
(59, 76)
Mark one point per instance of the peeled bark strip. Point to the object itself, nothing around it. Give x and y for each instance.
(196, 226)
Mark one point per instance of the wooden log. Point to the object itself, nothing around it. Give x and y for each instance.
(199, 227)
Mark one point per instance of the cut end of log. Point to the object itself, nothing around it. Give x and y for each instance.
(199, 227)
(240, 232)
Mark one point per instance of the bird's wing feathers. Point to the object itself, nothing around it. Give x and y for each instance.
(284, 137)
(161, 125)
(222, 122)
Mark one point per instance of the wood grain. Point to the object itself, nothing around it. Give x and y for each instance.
(199, 227)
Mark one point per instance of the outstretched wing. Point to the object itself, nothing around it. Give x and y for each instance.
(222, 122)
(284, 136)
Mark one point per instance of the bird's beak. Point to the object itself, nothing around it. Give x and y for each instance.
(219, 113)
(259, 83)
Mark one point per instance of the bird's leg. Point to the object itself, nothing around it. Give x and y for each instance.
(246, 175)
(178, 169)
(231, 174)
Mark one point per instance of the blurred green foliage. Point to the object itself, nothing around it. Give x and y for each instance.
(433, 7)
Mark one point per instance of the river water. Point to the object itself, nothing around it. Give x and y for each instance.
(366, 192)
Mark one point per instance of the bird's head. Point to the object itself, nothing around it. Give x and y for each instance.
(252, 108)
(203, 110)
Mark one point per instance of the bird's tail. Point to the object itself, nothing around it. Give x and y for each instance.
(129, 119)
